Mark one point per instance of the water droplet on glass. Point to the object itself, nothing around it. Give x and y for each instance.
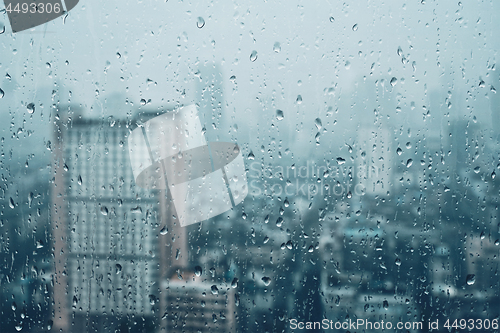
(197, 271)
(253, 56)
(266, 280)
(332, 19)
(80, 180)
(318, 123)
(11, 203)
(13, 306)
(164, 231)
(400, 51)
(234, 283)
(399, 151)
(277, 47)
(299, 99)
(385, 304)
(398, 262)
(19, 327)
(118, 268)
(394, 81)
(280, 115)
(477, 169)
(471, 279)
(214, 289)
(136, 210)
(75, 301)
(104, 210)
(2, 94)
(251, 156)
(31, 108)
(200, 23)
(340, 160)
(409, 163)
(279, 222)
(355, 27)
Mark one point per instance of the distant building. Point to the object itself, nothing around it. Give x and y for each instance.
(196, 306)
(104, 228)
(375, 160)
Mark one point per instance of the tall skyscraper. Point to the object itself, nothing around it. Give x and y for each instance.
(375, 161)
(104, 228)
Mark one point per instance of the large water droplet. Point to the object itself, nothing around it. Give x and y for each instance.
(31, 108)
(197, 271)
(332, 19)
(355, 27)
(253, 56)
(200, 23)
(214, 289)
(394, 81)
(277, 47)
(234, 283)
(409, 163)
(2, 94)
(385, 304)
(104, 210)
(11, 203)
(266, 280)
(280, 115)
(340, 160)
(118, 268)
(318, 123)
(471, 279)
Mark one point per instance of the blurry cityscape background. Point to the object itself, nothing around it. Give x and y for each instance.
(395, 225)
(371, 137)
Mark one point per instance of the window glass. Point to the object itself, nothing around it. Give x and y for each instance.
(243, 166)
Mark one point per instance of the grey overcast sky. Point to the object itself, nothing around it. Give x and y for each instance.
(330, 52)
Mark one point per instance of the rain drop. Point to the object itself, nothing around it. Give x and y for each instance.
(253, 56)
(234, 284)
(11, 203)
(277, 47)
(385, 304)
(279, 115)
(399, 151)
(409, 163)
(251, 156)
(214, 289)
(340, 160)
(104, 210)
(318, 123)
(31, 108)
(197, 271)
(266, 280)
(80, 180)
(471, 279)
(355, 27)
(393, 81)
(200, 23)
(332, 19)
(2, 94)
(118, 268)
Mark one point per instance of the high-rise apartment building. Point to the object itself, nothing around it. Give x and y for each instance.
(104, 228)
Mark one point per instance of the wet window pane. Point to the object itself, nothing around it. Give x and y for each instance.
(180, 166)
